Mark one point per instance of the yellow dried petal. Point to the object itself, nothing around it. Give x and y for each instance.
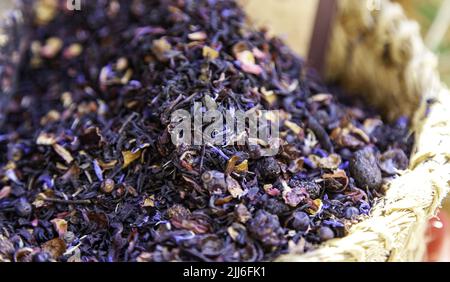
(129, 157)
(73, 51)
(246, 57)
(63, 153)
(197, 36)
(149, 202)
(46, 139)
(107, 165)
(268, 96)
(242, 167)
(233, 187)
(60, 226)
(210, 53)
(45, 11)
(293, 126)
(52, 47)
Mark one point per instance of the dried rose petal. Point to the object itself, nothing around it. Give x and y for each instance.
(55, 247)
(60, 226)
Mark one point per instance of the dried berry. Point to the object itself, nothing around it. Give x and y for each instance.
(351, 212)
(269, 168)
(23, 207)
(325, 233)
(266, 228)
(311, 187)
(300, 221)
(275, 206)
(41, 257)
(364, 169)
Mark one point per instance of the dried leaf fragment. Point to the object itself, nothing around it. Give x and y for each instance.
(60, 226)
(55, 247)
(210, 53)
(63, 153)
(129, 157)
(233, 187)
(197, 36)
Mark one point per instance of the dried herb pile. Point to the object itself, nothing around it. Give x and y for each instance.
(88, 171)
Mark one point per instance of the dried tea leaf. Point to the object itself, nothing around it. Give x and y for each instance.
(321, 98)
(294, 196)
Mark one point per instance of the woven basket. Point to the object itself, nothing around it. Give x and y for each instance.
(381, 55)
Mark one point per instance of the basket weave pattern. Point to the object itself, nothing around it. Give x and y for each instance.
(381, 54)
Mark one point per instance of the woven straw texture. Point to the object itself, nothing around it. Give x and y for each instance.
(380, 53)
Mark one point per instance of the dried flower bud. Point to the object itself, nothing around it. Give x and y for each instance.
(41, 257)
(364, 169)
(326, 233)
(351, 212)
(107, 186)
(313, 189)
(269, 168)
(214, 181)
(266, 228)
(242, 214)
(23, 207)
(300, 221)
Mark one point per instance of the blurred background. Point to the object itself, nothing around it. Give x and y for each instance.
(433, 16)
(296, 27)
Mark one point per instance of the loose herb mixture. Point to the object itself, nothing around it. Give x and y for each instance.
(88, 171)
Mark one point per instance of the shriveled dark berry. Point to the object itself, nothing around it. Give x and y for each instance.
(311, 187)
(351, 212)
(23, 207)
(275, 206)
(269, 168)
(41, 257)
(266, 228)
(326, 233)
(364, 169)
(300, 221)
